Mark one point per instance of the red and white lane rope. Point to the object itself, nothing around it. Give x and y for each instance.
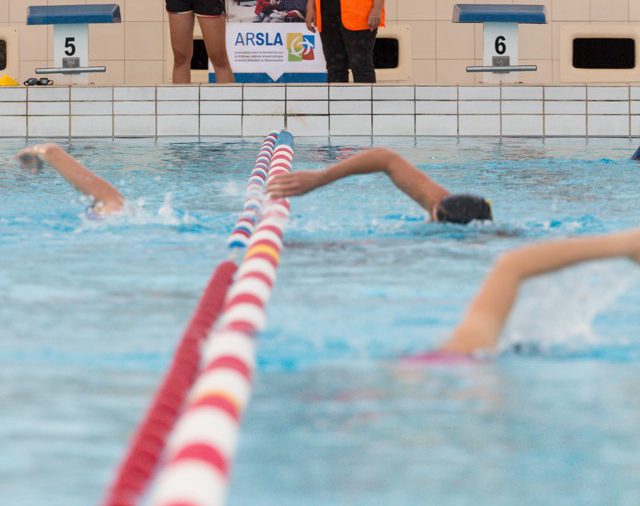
(254, 195)
(149, 442)
(201, 449)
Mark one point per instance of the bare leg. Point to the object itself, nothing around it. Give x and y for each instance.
(215, 40)
(181, 30)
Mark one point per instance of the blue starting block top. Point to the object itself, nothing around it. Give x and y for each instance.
(497, 13)
(73, 14)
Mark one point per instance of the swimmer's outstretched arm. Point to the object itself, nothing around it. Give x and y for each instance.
(106, 198)
(404, 175)
(489, 310)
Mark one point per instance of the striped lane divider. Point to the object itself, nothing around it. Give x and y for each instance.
(201, 449)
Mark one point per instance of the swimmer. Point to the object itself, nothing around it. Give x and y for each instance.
(106, 199)
(434, 198)
(489, 310)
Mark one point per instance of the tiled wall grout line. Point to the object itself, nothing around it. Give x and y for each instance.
(500, 109)
(586, 117)
(458, 111)
(629, 105)
(544, 112)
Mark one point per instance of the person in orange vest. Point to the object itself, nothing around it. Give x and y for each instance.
(348, 31)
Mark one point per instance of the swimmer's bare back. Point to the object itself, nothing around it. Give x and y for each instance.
(106, 199)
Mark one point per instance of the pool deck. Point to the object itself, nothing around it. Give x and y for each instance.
(320, 111)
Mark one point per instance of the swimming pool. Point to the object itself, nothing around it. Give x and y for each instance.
(91, 313)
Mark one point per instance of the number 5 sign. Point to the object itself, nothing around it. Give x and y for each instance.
(501, 45)
(71, 46)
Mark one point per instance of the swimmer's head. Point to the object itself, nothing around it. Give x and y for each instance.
(463, 209)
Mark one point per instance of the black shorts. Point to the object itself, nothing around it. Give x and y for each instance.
(199, 7)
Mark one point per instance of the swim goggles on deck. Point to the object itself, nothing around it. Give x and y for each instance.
(34, 81)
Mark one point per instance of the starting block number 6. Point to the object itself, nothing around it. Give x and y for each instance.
(500, 40)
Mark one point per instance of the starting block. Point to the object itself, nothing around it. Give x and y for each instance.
(71, 35)
(500, 34)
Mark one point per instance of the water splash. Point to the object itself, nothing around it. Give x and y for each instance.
(555, 313)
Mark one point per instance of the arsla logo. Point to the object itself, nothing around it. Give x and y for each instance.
(301, 46)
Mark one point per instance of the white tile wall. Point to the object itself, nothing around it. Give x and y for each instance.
(47, 94)
(608, 107)
(264, 92)
(221, 107)
(350, 125)
(221, 125)
(178, 107)
(92, 94)
(479, 93)
(171, 125)
(307, 107)
(260, 125)
(479, 107)
(393, 107)
(565, 93)
(522, 107)
(565, 107)
(393, 93)
(13, 126)
(437, 107)
(91, 108)
(349, 107)
(271, 107)
(481, 125)
(49, 126)
(349, 92)
(309, 126)
(13, 108)
(436, 93)
(522, 93)
(221, 93)
(134, 126)
(13, 94)
(178, 93)
(134, 108)
(356, 110)
(307, 92)
(565, 126)
(134, 93)
(608, 126)
(522, 125)
(437, 125)
(91, 126)
(48, 108)
(393, 124)
(608, 93)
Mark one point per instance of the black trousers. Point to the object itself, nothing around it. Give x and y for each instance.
(346, 49)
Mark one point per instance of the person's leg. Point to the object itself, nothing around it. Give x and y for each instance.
(359, 46)
(181, 31)
(335, 53)
(215, 40)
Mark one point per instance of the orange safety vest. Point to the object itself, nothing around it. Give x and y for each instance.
(355, 14)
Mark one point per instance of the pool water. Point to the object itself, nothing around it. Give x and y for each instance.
(91, 312)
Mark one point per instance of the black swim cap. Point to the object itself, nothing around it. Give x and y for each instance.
(463, 209)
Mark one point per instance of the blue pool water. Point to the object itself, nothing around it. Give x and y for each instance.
(91, 312)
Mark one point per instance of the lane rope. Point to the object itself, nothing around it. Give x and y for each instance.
(201, 449)
(149, 441)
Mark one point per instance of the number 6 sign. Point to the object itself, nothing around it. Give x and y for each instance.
(501, 45)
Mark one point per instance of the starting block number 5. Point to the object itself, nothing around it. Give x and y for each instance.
(71, 46)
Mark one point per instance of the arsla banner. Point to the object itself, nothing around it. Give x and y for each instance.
(265, 47)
